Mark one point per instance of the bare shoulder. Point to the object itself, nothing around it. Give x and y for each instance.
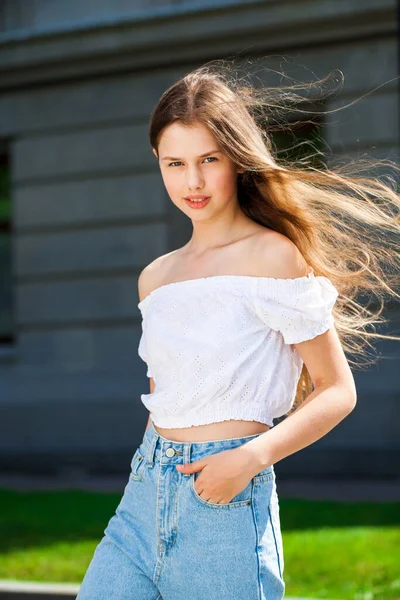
(277, 256)
(151, 276)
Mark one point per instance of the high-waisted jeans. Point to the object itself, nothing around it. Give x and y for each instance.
(165, 542)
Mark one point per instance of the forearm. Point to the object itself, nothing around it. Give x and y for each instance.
(322, 410)
(148, 423)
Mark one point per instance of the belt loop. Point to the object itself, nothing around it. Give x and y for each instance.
(187, 452)
(153, 443)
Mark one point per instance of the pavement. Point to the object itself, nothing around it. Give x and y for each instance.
(30, 590)
(16, 590)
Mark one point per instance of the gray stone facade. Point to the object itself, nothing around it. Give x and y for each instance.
(77, 84)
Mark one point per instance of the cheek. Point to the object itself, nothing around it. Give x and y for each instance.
(173, 190)
(171, 184)
(225, 182)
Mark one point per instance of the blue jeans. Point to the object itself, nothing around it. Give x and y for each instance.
(165, 542)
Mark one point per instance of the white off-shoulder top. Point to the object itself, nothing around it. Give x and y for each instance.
(220, 347)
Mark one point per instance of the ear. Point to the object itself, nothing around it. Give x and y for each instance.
(155, 152)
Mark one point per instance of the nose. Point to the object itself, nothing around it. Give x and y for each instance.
(194, 179)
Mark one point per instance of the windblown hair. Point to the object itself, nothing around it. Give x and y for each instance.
(345, 224)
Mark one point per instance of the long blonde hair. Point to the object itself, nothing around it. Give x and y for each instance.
(346, 225)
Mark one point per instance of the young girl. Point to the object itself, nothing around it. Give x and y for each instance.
(251, 315)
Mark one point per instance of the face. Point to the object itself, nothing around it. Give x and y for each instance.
(186, 172)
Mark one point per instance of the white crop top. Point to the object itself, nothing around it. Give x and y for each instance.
(219, 348)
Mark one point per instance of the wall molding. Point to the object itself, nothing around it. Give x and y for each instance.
(186, 36)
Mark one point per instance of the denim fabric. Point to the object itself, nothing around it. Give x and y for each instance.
(165, 542)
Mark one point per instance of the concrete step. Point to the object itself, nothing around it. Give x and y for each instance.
(11, 589)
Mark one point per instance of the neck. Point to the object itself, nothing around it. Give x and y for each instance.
(218, 232)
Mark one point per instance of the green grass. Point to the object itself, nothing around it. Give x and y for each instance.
(332, 550)
(341, 551)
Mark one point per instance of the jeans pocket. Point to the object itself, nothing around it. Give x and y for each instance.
(137, 466)
(243, 498)
(265, 475)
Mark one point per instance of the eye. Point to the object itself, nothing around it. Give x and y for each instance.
(178, 161)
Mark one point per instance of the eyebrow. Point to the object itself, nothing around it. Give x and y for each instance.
(201, 155)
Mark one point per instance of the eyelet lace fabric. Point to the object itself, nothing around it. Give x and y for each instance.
(221, 347)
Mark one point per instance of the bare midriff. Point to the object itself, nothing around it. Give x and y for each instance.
(213, 431)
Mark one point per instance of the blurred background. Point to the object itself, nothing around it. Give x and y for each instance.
(83, 209)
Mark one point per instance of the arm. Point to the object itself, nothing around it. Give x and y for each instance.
(333, 398)
(334, 394)
(148, 423)
(152, 385)
(146, 283)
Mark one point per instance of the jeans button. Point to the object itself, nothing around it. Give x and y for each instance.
(170, 452)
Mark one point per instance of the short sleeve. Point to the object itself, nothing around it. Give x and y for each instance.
(299, 308)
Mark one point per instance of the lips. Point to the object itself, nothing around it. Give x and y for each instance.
(198, 197)
(199, 203)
